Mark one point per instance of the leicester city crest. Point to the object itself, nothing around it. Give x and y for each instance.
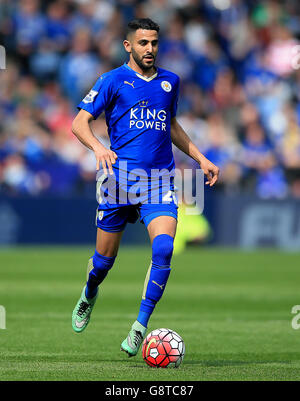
(166, 86)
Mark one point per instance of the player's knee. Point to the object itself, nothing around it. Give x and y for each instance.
(101, 264)
(162, 249)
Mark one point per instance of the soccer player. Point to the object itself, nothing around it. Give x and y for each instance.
(140, 101)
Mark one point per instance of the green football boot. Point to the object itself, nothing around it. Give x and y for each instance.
(135, 337)
(82, 312)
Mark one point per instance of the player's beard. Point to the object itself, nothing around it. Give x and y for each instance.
(140, 61)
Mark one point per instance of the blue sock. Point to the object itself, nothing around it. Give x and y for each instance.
(162, 249)
(101, 266)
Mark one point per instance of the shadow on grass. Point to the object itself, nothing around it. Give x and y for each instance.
(229, 360)
(220, 360)
(245, 359)
(211, 360)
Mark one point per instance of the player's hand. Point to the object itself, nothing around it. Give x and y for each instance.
(210, 170)
(105, 158)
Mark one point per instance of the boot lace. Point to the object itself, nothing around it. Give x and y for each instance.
(82, 308)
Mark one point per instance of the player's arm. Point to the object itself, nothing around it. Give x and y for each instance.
(182, 141)
(82, 130)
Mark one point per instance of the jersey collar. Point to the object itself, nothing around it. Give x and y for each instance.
(147, 79)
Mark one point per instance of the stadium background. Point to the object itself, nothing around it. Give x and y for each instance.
(239, 101)
(235, 307)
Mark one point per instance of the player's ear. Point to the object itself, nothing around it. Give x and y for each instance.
(127, 45)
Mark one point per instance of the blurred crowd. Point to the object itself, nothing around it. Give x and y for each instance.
(239, 66)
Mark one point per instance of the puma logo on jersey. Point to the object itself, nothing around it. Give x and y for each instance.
(161, 286)
(131, 84)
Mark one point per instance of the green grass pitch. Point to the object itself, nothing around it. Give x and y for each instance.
(232, 308)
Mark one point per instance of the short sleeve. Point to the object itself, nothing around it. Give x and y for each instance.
(99, 97)
(175, 99)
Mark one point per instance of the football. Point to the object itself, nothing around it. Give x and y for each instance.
(163, 348)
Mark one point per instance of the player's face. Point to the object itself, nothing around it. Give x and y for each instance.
(143, 46)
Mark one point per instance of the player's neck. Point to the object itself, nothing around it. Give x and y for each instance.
(148, 73)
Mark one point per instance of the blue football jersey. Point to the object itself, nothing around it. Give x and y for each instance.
(138, 112)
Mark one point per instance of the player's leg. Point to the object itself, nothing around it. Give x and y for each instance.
(111, 223)
(162, 225)
(100, 263)
(161, 231)
(107, 245)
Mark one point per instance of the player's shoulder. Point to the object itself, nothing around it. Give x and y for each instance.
(168, 75)
(112, 76)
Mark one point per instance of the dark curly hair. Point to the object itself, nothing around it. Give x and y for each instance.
(141, 23)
